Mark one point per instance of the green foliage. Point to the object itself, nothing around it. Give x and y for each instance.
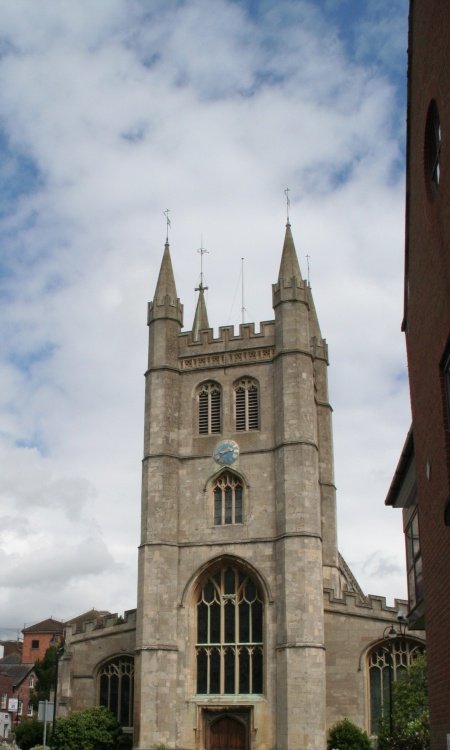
(410, 715)
(347, 736)
(45, 670)
(29, 733)
(93, 729)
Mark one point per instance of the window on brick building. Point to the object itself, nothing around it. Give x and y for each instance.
(116, 688)
(227, 493)
(30, 710)
(433, 138)
(4, 700)
(229, 647)
(246, 405)
(414, 562)
(209, 398)
(35, 643)
(31, 681)
(387, 662)
(20, 709)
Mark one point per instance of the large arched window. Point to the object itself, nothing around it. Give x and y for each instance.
(229, 634)
(246, 405)
(116, 678)
(209, 408)
(386, 663)
(227, 491)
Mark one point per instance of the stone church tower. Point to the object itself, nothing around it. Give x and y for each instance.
(238, 533)
(250, 631)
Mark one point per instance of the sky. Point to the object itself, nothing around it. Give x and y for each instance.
(111, 112)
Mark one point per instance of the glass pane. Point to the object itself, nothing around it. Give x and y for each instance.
(208, 592)
(228, 505)
(229, 622)
(124, 717)
(238, 504)
(244, 622)
(244, 671)
(202, 623)
(229, 671)
(202, 666)
(114, 694)
(256, 635)
(214, 614)
(375, 699)
(217, 506)
(229, 584)
(104, 684)
(250, 591)
(214, 677)
(257, 669)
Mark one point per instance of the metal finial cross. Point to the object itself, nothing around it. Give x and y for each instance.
(168, 223)
(288, 203)
(202, 250)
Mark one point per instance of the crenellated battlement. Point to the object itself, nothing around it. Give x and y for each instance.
(228, 339)
(371, 605)
(101, 625)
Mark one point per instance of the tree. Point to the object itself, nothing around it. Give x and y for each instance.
(93, 729)
(45, 670)
(410, 715)
(347, 736)
(29, 733)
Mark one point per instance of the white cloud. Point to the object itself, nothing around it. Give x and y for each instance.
(122, 110)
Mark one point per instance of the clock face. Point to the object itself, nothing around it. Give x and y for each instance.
(226, 452)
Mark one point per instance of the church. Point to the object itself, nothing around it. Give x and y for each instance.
(250, 630)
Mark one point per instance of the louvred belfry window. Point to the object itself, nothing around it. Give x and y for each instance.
(227, 490)
(247, 405)
(209, 408)
(229, 634)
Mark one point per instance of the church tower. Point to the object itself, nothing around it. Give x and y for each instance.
(238, 529)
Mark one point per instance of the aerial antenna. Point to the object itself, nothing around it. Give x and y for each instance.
(288, 203)
(202, 250)
(168, 224)
(242, 278)
(307, 265)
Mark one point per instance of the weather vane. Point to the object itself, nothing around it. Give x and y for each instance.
(307, 264)
(288, 203)
(202, 250)
(168, 224)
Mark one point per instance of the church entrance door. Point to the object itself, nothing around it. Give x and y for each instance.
(227, 733)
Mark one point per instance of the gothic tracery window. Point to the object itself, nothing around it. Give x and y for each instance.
(227, 492)
(246, 405)
(387, 662)
(116, 679)
(229, 634)
(209, 408)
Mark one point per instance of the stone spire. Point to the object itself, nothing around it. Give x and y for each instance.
(201, 315)
(289, 266)
(165, 301)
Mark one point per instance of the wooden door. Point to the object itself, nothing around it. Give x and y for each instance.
(227, 733)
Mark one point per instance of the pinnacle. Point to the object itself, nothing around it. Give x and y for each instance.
(201, 316)
(165, 286)
(289, 266)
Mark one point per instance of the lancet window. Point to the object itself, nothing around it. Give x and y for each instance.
(116, 679)
(387, 662)
(209, 408)
(246, 405)
(227, 492)
(229, 634)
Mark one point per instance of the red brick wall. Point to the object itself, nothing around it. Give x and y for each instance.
(31, 655)
(427, 326)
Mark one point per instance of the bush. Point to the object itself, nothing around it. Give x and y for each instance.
(29, 733)
(93, 729)
(410, 715)
(347, 736)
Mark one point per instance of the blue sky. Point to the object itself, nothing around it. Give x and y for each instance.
(112, 112)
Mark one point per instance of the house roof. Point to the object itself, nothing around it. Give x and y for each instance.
(46, 626)
(16, 672)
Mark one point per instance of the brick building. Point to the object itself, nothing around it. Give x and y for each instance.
(422, 481)
(17, 680)
(37, 639)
